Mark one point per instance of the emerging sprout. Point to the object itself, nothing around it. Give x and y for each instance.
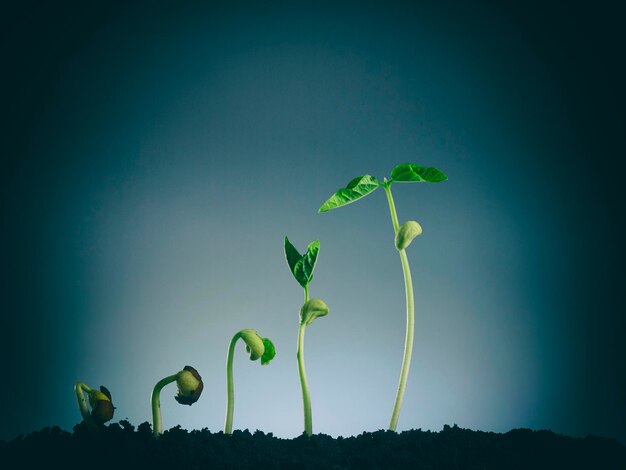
(404, 235)
(100, 402)
(190, 387)
(257, 347)
(302, 266)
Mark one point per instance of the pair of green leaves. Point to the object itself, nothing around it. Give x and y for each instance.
(363, 185)
(302, 266)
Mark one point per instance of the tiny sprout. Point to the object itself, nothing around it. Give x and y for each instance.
(257, 347)
(190, 387)
(406, 233)
(100, 401)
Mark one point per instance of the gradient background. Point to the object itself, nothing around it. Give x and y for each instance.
(154, 157)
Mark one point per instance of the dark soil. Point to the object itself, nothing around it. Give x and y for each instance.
(120, 446)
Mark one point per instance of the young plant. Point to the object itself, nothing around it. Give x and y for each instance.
(302, 267)
(257, 347)
(100, 401)
(190, 387)
(404, 235)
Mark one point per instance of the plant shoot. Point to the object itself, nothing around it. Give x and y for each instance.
(404, 235)
(257, 347)
(190, 387)
(100, 402)
(302, 266)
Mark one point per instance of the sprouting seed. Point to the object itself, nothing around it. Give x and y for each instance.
(190, 387)
(257, 347)
(102, 408)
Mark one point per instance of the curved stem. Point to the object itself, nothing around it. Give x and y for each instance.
(157, 425)
(410, 318)
(230, 388)
(80, 388)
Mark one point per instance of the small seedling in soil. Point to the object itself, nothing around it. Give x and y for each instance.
(404, 235)
(100, 401)
(302, 267)
(190, 387)
(257, 347)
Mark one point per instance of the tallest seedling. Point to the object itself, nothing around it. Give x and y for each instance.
(404, 235)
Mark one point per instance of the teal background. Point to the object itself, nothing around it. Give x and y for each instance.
(154, 157)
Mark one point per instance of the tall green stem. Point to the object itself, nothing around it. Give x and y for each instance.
(79, 387)
(306, 394)
(410, 317)
(157, 425)
(230, 387)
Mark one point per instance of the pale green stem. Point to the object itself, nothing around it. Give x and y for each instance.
(157, 424)
(230, 388)
(392, 207)
(410, 317)
(306, 394)
(80, 388)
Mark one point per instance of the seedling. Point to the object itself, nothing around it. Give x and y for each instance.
(404, 235)
(100, 401)
(302, 267)
(190, 387)
(258, 348)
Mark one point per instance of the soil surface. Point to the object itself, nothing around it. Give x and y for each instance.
(121, 446)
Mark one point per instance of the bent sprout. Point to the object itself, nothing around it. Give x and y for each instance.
(190, 387)
(302, 267)
(102, 408)
(257, 347)
(404, 234)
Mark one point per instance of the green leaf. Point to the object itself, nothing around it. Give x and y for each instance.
(269, 352)
(291, 255)
(356, 189)
(254, 343)
(302, 266)
(303, 271)
(409, 172)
